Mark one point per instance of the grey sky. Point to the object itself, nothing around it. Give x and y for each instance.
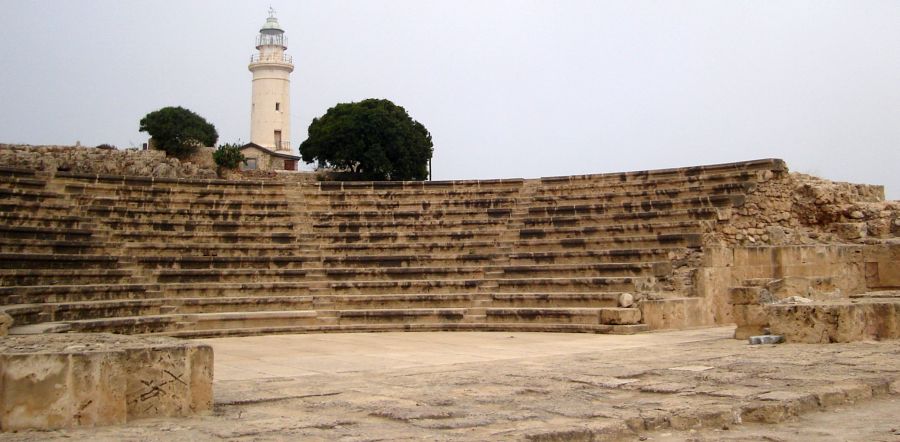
(507, 88)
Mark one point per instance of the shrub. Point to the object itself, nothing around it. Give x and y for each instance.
(229, 156)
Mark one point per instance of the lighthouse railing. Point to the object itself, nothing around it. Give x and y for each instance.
(271, 58)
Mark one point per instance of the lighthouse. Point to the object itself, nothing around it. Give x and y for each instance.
(270, 112)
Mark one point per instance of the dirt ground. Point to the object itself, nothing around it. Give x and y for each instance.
(686, 385)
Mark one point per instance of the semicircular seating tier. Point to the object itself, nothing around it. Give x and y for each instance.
(205, 258)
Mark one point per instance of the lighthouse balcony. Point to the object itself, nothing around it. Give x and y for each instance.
(271, 58)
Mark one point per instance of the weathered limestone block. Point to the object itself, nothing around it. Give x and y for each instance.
(60, 381)
(618, 316)
(675, 313)
(851, 231)
(883, 266)
(6, 322)
(820, 323)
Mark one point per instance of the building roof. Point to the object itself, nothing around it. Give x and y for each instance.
(271, 152)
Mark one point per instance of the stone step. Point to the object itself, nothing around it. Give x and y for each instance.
(34, 218)
(56, 207)
(379, 204)
(196, 226)
(408, 237)
(621, 221)
(402, 316)
(592, 194)
(400, 215)
(250, 246)
(238, 289)
(404, 225)
(182, 201)
(75, 293)
(56, 261)
(591, 256)
(44, 233)
(228, 270)
(461, 326)
(160, 214)
(573, 284)
(229, 275)
(522, 246)
(316, 196)
(621, 230)
(660, 205)
(95, 181)
(138, 238)
(36, 329)
(32, 277)
(227, 262)
(648, 205)
(557, 315)
(41, 246)
(732, 171)
(161, 192)
(128, 324)
(26, 314)
(554, 299)
(735, 182)
(7, 172)
(208, 321)
(21, 182)
(611, 222)
(399, 301)
(27, 195)
(348, 187)
(241, 304)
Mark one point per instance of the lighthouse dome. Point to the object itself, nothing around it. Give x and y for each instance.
(271, 23)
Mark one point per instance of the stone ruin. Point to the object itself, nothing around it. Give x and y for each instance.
(129, 252)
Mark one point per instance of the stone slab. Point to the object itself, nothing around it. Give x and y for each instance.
(70, 380)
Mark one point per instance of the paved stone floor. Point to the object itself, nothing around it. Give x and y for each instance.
(682, 385)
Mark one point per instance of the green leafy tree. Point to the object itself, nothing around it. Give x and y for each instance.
(369, 140)
(229, 156)
(178, 131)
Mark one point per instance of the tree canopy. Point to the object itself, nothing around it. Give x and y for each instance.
(373, 139)
(178, 131)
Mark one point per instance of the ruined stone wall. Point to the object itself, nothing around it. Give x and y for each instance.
(100, 161)
(796, 209)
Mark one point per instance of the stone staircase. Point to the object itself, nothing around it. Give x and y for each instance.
(205, 258)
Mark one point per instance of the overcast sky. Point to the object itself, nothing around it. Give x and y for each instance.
(507, 88)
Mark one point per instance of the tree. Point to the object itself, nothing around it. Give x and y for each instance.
(178, 131)
(229, 156)
(369, 140)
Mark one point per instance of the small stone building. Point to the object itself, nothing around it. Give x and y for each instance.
(261, 158)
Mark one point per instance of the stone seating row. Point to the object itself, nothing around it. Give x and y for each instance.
(33, 313)
(206, 257)
(485, 198)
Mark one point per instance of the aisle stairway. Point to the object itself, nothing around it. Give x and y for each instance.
(201, 258)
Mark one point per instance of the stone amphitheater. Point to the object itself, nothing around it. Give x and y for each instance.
(744, 243)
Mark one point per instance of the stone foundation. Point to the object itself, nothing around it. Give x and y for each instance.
(823, 323)
(70, 380)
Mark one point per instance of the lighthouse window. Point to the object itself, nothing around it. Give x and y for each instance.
(278, 106)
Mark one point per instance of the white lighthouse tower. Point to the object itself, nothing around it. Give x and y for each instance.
(270, 113)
